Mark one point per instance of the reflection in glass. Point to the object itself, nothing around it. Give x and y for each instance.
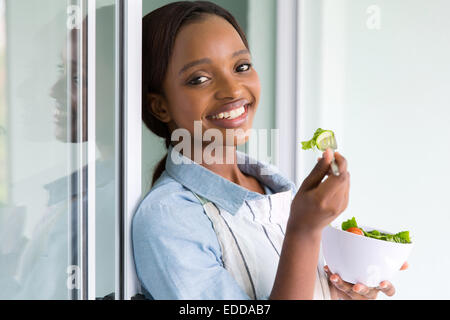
(43, 143)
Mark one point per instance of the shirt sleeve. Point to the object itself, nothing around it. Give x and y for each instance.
(177, 254)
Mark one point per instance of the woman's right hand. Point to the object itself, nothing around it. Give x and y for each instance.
(318, 203)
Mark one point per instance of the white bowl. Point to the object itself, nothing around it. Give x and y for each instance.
(359, 259)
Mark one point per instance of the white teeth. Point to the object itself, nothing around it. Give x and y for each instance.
(231, 114)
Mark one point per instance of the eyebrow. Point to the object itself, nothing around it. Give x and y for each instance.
(208, 61)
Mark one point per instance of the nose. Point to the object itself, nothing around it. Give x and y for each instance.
(58, 90)
(228, 88)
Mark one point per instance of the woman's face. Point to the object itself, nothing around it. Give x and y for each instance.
(210, 79)
(62, 113)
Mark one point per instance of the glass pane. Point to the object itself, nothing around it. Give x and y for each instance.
(106, 147)
(44, 143)
(382, 84)
(39, 211)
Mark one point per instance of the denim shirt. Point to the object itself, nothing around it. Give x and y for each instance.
(176, 251)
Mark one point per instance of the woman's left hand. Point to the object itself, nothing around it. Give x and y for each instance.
(348, 291)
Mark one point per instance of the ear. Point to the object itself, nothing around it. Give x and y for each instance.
(158, 106)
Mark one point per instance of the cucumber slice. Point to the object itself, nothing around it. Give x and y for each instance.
(326, 140)
(322, 140)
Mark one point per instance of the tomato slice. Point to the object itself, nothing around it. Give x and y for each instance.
(355, 231)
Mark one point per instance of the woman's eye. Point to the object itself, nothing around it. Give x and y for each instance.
(244, 67)
(61, 68)
(198, 80)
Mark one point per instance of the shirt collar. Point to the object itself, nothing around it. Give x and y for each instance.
(222, 192)
(58, 190)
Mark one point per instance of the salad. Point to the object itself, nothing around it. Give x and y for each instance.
(351, 226)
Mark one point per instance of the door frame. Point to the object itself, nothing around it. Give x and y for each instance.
(129, 140)
(287, 109)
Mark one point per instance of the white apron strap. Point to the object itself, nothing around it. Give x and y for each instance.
(232, 256)
(281, 204)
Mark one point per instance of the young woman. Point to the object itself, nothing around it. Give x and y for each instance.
(225, 229)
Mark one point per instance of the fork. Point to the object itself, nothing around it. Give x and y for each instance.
(330, 142)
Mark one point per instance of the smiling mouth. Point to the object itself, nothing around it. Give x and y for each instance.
(234, 118)
(232, 114)
(231, 110)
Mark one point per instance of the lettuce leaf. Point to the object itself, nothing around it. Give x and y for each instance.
(310, 144)
(402, 237)
(351, 223)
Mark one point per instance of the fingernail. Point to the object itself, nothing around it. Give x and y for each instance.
(357, 289)
(383, 285)
(334, 278)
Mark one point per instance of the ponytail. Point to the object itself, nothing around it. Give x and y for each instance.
(159, 169)
(161, 166)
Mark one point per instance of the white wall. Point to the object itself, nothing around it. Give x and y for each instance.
(385, 93)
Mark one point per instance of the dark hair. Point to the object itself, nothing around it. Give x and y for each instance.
(159, 30)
